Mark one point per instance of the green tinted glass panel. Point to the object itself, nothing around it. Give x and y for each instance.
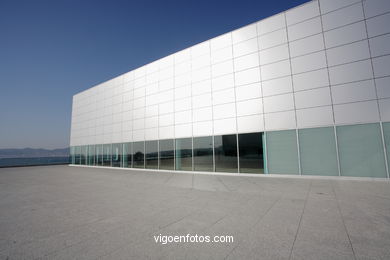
(203, 154)
(77, 154)
(116, 157)
(73, 154)
(151, 154)
(361, 151)
(107, 154)
(386, 133)
(167, 154)
(225, 149)
(139, 155)
(318, 151)
(99, 154)
(91, 155)
(282, 153)
(183, 154)
(127, 155)
(84, 154)
(251, 152)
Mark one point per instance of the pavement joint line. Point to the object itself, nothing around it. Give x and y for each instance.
(300, 220)
(256, 223)
(342, 219)
(219, 179)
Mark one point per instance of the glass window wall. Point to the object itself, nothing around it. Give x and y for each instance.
(167, 154)
(203, 154)
(91, 155)
(84, 154)
(107, 155)
(386, 133)
(151, 154)
(116, 158)
(318, 151)
(251, 153)
(282, 152)
(225, 149)
(361, 150)
(99, 154)
(127, 155)
(139, 155)
(183, 154)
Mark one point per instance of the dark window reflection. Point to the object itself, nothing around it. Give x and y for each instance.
(91, 155)
(138, 155)
(251, 152)
(77, 154)
(107, 155)
(84, 155)
(99, 154)
(225, 153)
(127, 154)
(116, 155)
(151, 154)
(167, 154)
(203, 153)
(184, 154)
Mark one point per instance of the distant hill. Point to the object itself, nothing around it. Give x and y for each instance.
(30, 152)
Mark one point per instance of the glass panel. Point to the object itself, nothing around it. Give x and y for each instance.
(386, 133)
(138, 155)
(225, 153)
(127, 155)
(84, 154)
(184, 154)
(99, 154)
(203, 154)
(151, 154)
(251, 152)
(77, 154)
(72, 154)
(107, 155)
(361, 151)
(318, 151)
(167, 154)
(91, 155)
(282, 152)
(116, 155)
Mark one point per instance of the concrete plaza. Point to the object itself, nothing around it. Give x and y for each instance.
(63, 212)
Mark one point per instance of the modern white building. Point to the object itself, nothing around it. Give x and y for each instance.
(304, 92)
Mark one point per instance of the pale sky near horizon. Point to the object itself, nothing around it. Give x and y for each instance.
(51, 50)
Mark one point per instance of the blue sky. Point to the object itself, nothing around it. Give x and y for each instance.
(50, 50)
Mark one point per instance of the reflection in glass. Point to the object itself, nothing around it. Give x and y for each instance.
(386, 133)
(361, 151)
(116, 157)
(203, 153)
(107, 155)
(282, 152)
(138, 155)
(151, 154)
(127, 153)
(251, 152)
(225, 153)
(184, 154)
(72, 154)
(77, 154)
(167, 154)
(84, 154)
(99, 154)
(91, 155)
(317, 148)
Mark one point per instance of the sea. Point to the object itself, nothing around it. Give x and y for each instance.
(25, 161)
